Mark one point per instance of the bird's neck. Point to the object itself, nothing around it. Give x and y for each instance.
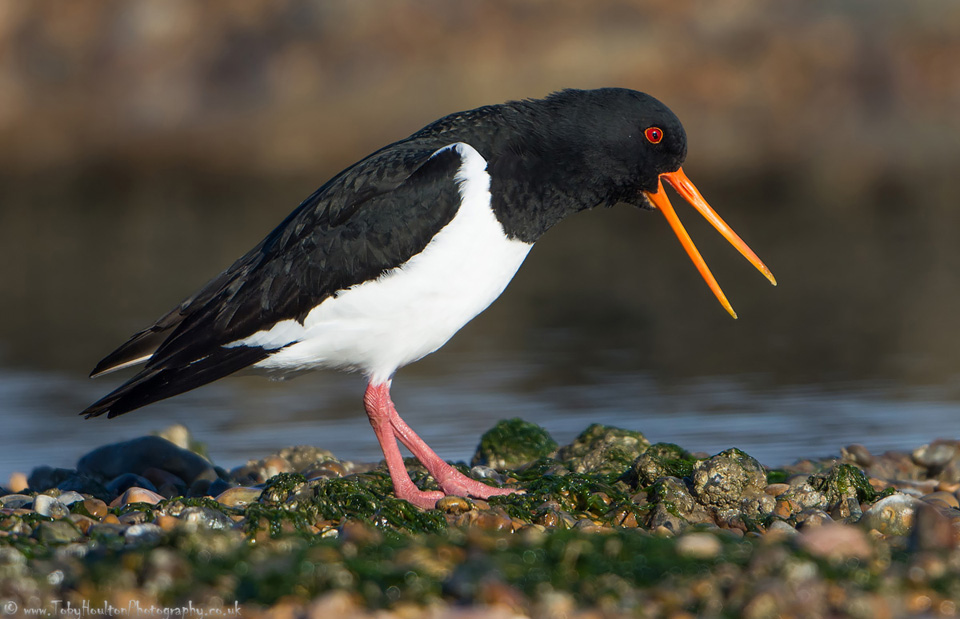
(539, 178)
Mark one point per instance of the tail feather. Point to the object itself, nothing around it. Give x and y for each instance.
(159, 383)
(138, 348)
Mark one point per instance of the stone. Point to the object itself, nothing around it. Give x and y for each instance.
(892, 515)
(659, 460)
(46, 477)
(70, 497)
(512, 443)
(699, 546)
(811, 517)
(857, 454)
(15, 501)
(932, 530)
(121, 483)
(136, 495)
(49, 506)
(730, 480)
(239, 496)
(84, 484)
(945, 499)
(205, 517)
(18, 482)
(95, 507)
(936, 455)
(57, 532)
(604, 450)
(453, 505)
(140, 454)
(835, 542)
(146, 533)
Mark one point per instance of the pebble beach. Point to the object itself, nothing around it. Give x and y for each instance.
(606, 526)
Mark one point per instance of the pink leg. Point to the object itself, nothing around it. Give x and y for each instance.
(380, 410)
(451, 481)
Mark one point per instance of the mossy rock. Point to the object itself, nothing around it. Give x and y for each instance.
(658, 461)
(604, 450)
(842, 482)
(513, 443)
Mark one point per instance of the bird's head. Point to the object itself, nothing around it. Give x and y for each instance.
(634, 145)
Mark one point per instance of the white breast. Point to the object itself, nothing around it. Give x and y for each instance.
(381, 325)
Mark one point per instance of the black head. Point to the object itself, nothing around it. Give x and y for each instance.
(618, 145)
(620, 140)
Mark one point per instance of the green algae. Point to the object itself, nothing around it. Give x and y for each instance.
(511, 443)
(592, 495)
(844, 481)
(660, 460)
(603, 449)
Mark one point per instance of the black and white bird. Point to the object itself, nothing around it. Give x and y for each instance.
(392, 256)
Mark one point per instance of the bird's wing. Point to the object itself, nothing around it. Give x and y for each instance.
(369, 219)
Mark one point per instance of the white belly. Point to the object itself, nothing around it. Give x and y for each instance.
(381, 325)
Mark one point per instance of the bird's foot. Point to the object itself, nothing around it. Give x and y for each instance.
(452, 481)
(424, 499)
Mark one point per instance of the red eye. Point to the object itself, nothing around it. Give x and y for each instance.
(653, 135)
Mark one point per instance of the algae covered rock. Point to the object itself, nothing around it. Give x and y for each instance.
(512, 443)
(732, 480)
(603, 450)
(660, 460)
(844, 487)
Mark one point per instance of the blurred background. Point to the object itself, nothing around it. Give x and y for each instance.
(146, 144)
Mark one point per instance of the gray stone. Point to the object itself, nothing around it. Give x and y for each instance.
(138, 455)
(49, 506)
(146, 533)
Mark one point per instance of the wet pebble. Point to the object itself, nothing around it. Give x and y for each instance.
(776, 490)
(945, 499)
(699, 545)
(146, 533)
(95, 507)
(18, 482)
(329, 469)
(936, 455)
(481, 472)
(136, 495)
(835, 541)
(205, 517)
(810, 518)
(932, 529)
(70, 497)
(57, 532)
(239, 496)
(15, 501)
(453, 505)
(49, 506)
(857, 454)
(166, 522)
(892, 515)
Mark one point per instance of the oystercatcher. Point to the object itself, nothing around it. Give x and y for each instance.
(386, 261)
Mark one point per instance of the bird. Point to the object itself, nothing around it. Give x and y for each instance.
(387, 260)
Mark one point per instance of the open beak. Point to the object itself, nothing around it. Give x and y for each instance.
(685, 188)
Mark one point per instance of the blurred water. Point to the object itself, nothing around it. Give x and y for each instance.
(241, 419)
(607, 322)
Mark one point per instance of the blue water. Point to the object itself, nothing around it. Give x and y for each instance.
(249, 417)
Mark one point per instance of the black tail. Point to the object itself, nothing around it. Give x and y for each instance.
(158, 383)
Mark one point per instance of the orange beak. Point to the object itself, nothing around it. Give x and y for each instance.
(685, 188)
